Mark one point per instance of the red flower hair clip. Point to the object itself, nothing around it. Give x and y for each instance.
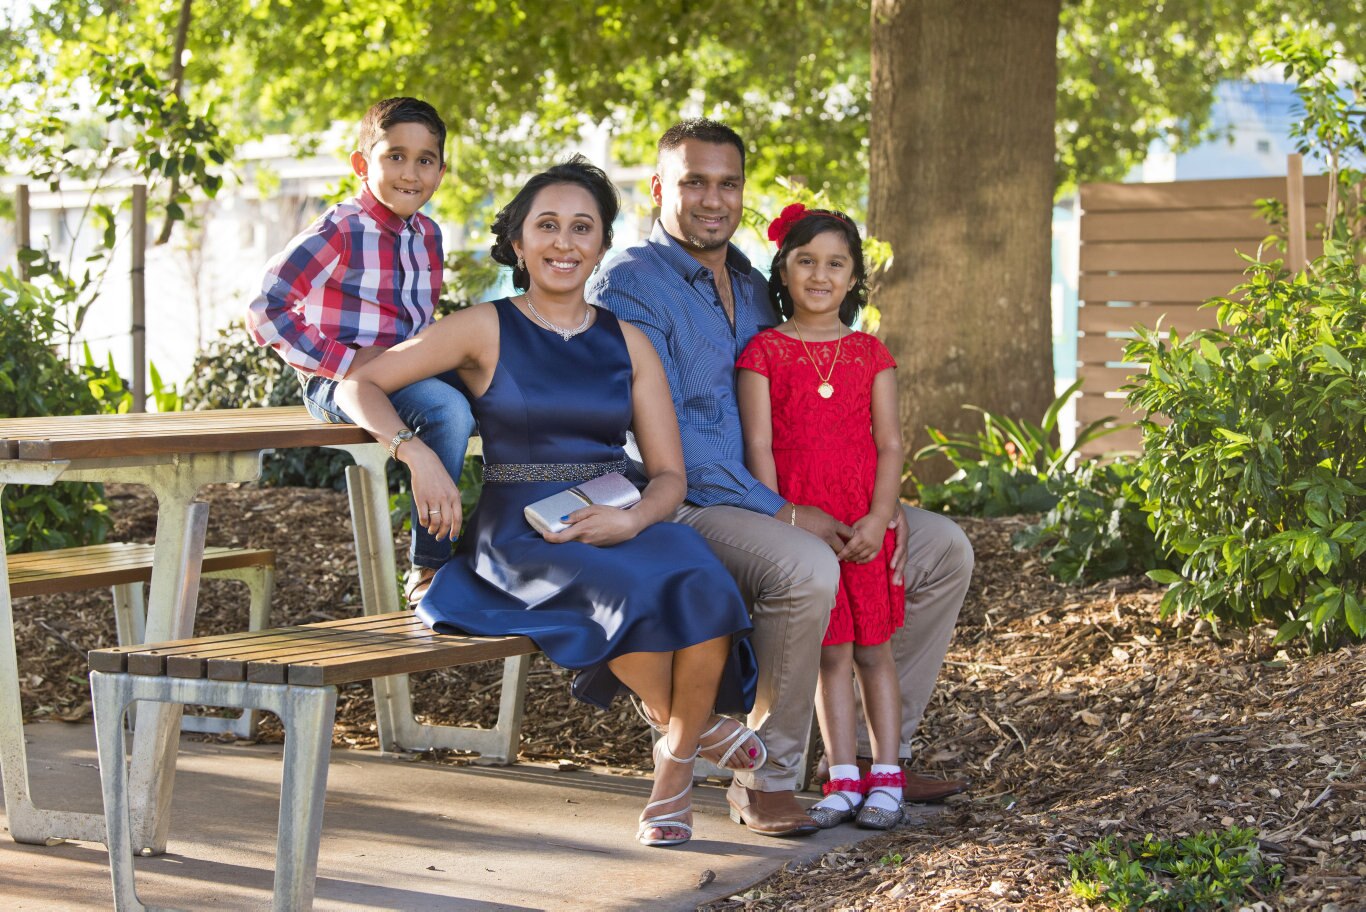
(780, 226)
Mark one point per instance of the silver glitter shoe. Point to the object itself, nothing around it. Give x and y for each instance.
(827, 817)
(876, 818)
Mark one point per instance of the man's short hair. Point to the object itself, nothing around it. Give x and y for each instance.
(391, 111)
(704, 130)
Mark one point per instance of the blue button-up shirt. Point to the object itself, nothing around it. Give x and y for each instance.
(672, 298)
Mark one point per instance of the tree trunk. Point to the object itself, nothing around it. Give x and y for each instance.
(962, 147)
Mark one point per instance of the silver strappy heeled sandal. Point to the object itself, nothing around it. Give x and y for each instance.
(669, 821)
(726, 747)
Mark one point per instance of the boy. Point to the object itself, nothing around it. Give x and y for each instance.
(364, 277)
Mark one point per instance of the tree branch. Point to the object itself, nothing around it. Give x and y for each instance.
(182, 33)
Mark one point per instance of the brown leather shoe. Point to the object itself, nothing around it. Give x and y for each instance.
(768, 813)
(926, 790)
(919, 789)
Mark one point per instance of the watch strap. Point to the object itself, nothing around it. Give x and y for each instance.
(399, 438)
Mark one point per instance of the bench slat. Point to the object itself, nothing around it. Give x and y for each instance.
(110, 564)
(237, 665)
(455, 650)
(274, 668)
(115, 658)
(188, 661)
(181, 663)
(313, 655)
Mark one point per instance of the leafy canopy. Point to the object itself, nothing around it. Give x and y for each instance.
(517, 80)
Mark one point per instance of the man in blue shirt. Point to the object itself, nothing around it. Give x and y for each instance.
(700, 301)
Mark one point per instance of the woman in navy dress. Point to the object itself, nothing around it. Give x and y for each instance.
(635, 602)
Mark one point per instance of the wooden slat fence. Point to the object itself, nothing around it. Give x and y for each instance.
(1161, 250)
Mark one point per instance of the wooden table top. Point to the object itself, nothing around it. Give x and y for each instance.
(166, 433)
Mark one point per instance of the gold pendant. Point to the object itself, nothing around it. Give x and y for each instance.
(826, 390)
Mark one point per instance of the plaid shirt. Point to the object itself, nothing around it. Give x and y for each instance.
(358, 276)
(658, 286)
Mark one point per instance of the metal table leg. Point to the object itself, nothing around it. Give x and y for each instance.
(179, 551)
(27, 822)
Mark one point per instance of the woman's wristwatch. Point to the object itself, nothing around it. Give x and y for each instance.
(399, 438)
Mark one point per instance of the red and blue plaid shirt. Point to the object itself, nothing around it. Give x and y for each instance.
(358, 276)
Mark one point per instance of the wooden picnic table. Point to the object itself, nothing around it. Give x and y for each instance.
(176, 454)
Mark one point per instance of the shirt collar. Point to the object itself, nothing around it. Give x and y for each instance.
(685, 263)
(383, 215)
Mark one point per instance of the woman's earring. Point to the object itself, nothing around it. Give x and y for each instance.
(520, 264)
(597, 266)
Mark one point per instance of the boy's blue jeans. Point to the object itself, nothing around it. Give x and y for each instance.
(437, 411)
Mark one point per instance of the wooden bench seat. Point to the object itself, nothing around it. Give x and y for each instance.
(125, 567)
(111, 564)
(292, 672)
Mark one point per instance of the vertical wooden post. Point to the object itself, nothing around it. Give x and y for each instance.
(22, 217)
(1296, 255)
(137, 274)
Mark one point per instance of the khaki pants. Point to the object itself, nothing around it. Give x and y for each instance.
(788, 578)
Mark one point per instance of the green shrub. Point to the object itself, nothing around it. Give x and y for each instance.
(1099, 526)
(1221, 870)
(1259, 480)
(1005, 470)
(36, 381)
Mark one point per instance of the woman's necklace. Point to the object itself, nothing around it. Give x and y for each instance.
(565, 334)
(825, 389)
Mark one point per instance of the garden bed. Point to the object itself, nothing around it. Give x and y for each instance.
(1073, 711)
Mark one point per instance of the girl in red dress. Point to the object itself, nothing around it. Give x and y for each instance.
(819, 409)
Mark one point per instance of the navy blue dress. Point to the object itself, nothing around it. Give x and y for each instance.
(552, 401)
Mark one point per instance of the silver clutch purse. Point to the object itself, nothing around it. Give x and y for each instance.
(612, 490)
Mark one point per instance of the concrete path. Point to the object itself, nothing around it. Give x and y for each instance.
(397, 834)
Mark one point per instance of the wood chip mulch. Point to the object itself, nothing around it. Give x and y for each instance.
(1075, 712)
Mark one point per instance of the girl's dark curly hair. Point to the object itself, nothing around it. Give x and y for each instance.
(507, 225)
(812, 223)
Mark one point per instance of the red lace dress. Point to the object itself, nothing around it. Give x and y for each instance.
(825, 456)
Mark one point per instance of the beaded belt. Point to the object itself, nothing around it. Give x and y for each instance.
(507, 472)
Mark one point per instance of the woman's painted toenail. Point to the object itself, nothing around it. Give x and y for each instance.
(753, 752)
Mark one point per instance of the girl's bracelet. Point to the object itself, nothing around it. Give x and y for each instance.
(792, 517)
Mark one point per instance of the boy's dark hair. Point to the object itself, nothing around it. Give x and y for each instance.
(507, 225)
(814, 222)
(705, 130)
(385, 114)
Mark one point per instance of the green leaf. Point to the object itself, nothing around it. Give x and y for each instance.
(1261, 362)
(1333, 357)
(1166, 577)
(1355, 615)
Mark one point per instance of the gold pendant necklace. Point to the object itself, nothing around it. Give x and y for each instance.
(826, 390)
